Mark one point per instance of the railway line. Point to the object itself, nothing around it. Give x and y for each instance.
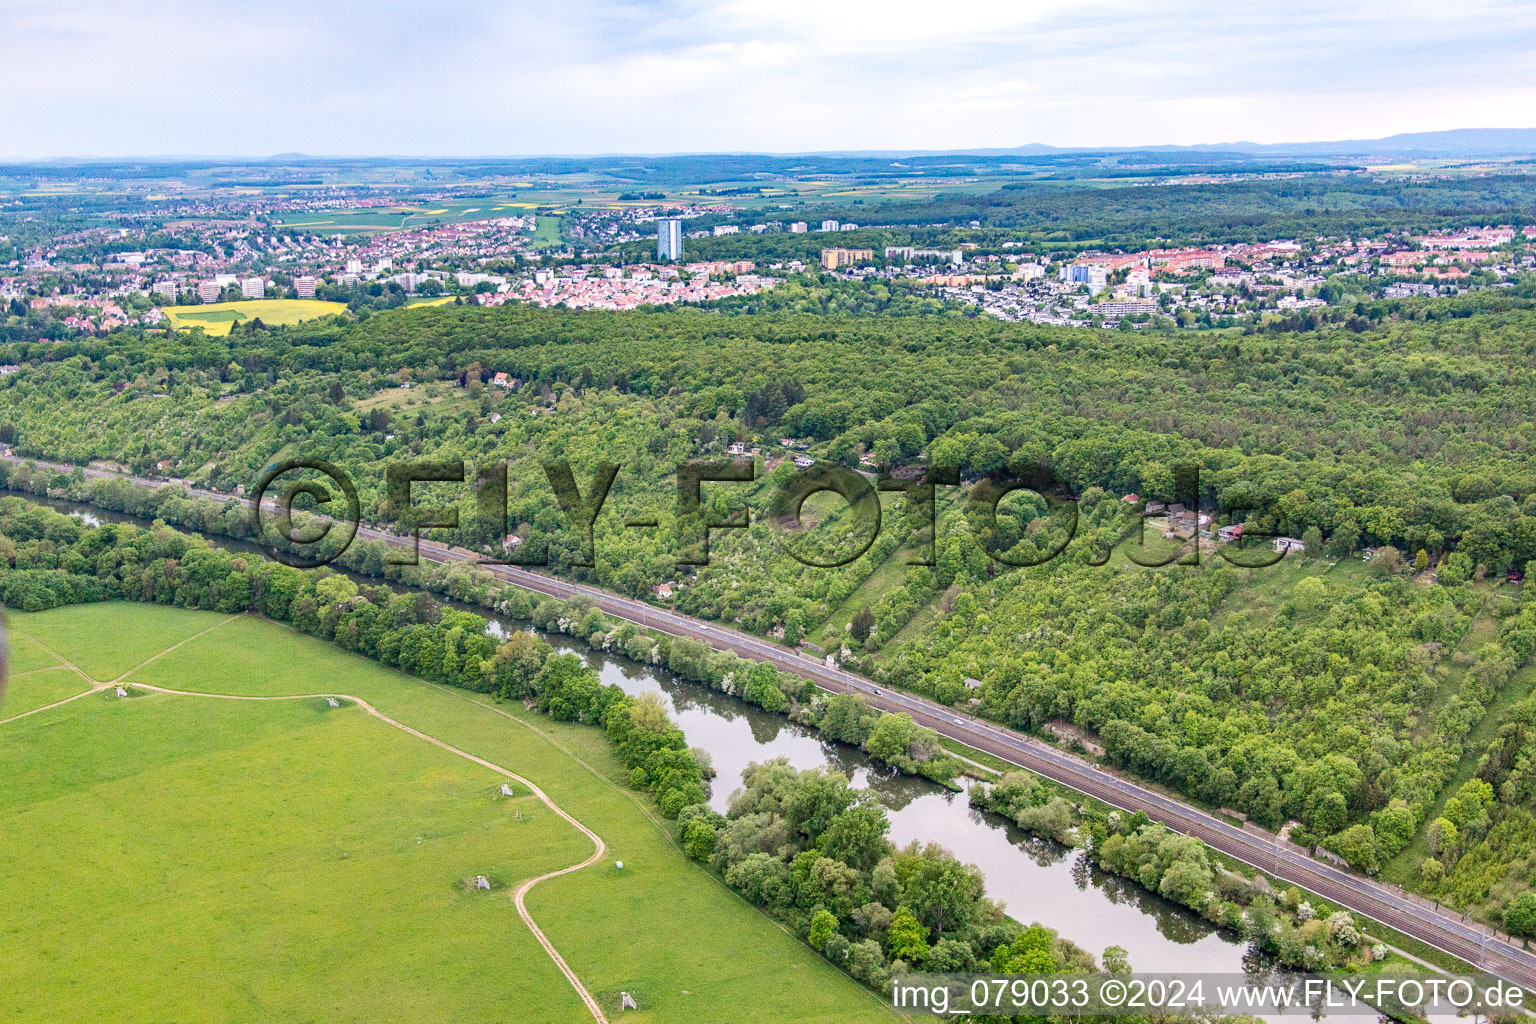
(1439, 928)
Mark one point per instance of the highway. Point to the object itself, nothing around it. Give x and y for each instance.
(1443, 929)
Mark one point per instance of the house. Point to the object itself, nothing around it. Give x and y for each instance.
(804, 461)
(786, 441)
(1227, 533)
(1284, 544)
(495, 417)
(1131, 498)
(1154, 507)
(662, 590)
(736, 448)
(972, 683)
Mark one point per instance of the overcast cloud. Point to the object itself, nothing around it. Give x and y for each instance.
(134, 77)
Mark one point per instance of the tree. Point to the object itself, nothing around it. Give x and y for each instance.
(699, 839)
(1357, 845)
(1441, 836)
(1310, 592)
(518, 662)
(862, 624)
(1331, 814)
(892, 737)
(1520, 915)
(907, 938)
(823, 924)
(857, 836)
(763, 688)
(1342, 542)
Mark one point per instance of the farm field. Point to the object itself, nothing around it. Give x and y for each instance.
(218, 318)
(311, 792)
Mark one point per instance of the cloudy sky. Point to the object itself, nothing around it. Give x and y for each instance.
(505, 77)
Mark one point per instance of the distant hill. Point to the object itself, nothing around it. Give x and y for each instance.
(1460, 143)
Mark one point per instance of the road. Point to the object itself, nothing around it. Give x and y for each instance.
(1442, 929)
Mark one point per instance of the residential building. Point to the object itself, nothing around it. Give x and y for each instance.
(669, 238)
(798, 227)
(829, 225)
(1130, 307)
(208, 291)
(831, 259)
(253, 288)
(1090, 274)
(305, 286)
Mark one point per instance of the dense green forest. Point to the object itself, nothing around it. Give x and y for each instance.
(1355, 700)
(1068, 215)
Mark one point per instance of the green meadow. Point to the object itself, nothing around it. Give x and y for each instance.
(182, 857)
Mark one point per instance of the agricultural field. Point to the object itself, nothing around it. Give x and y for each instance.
(301, 847)
(218, 318)
(407, 215)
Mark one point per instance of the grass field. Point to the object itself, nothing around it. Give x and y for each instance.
(251, 823)
(217, 318)
(40, 688)
(546, 233)
(171, 858)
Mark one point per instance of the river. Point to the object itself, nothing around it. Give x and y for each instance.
(1036, 879)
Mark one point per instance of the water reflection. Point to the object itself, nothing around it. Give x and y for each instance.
(1036, 879)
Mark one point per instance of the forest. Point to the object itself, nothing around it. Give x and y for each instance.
(1353, 703)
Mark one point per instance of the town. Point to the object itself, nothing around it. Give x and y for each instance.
(154, 268)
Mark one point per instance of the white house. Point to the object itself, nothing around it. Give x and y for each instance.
(1284, 544)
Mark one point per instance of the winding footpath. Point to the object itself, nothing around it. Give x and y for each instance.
(1443, 929)
(519, 894)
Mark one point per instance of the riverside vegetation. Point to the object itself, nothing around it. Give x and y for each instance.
(1357, 701)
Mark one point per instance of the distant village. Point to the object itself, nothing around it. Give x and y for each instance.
(201, 252)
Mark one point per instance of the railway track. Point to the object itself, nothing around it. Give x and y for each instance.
(1438, 928)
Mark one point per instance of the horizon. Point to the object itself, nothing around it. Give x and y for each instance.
(1242, 146)
(524, 81)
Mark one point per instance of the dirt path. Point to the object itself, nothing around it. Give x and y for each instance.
(96, 685)
(518, 894)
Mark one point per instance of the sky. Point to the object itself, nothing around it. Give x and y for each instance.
(505, 77)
